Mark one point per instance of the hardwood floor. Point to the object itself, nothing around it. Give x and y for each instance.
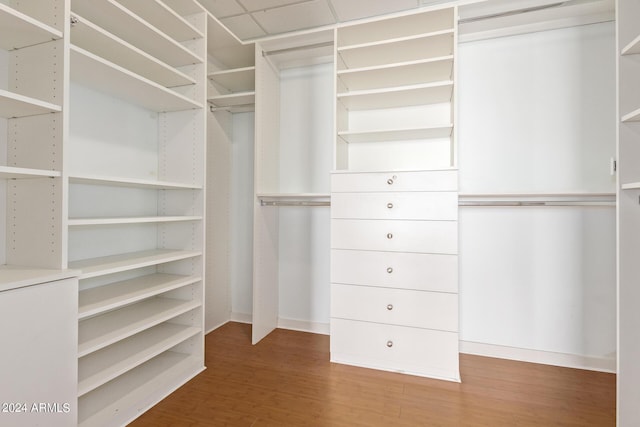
(287, 380)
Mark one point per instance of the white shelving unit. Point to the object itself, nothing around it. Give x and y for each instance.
(136, 226)
(394, 200)
(628, 220)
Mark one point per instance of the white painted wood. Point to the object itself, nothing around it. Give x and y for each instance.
(18, 30)
(632, 48)
(402, 349)
(417, 309)
(102, 331)
(631, 186)
(39, 338)
(403, 96)
(398, 270)
(117, 263)
(129, 182)
(111, 405)
(409, 206)
(109, 363)
(633, 116)
(100, 299)
(16, 276)
(395, 236)
(9, 172)
(120, 21)
(91, 70)
(164, 18)
(398, 74)
(184, 7)
(16, 105)
(434, 180)
(75, 222)
(95, 39)
(236, 79)
(407, 49)
(234, 99)
(399, 134)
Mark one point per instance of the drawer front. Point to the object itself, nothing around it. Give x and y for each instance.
(408, 205)
(394, 181)
(395, 348)
(427, 272)
(419, 309)
(439, 237)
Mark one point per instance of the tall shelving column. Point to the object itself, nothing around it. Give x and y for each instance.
(394, 200)
(231, 90)
(628, 49)
(136, 170)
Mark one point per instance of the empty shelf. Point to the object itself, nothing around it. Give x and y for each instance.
(633, 116)
(10, 172)
(158, 14)
(398, 97)
(235, 80)
(130, 220)
(380, 135)
(16, 105)
(632, 48)
(19, 30)
(130, 182)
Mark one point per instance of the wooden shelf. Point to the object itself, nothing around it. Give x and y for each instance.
(18, 30)
(96, 72)
(633, 116)
(16, 105)
(17, 276)
(10, 172)
(405, 96)
(164, 372)
(76, 222)
(411, 48)
(107, 297)
(120, 21)
(123, 262)
(104, 330)
(109, 363)
(390, 75)
(130, 182)
(96, 40)
(396, 134)
(235, 80)
(632, 48)
(158, 14)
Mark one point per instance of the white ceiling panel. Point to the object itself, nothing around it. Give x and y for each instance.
(315, 13)
(348, 10)
(255, 5)
(222, 8)
(243, 26)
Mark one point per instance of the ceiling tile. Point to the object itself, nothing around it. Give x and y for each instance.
(300, 16)
(222, 8)
(243, 26)
(348, 10)
(255, 5)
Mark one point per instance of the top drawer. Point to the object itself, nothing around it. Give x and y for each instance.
(437, 180)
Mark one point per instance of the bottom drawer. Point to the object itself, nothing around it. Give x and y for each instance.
(402, 349)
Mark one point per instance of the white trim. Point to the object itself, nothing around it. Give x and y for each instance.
(303, 326)
(213, 328)
(241, 318)
(592, 363)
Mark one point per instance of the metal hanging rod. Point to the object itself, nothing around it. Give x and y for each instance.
(303, 203)
(529, 203)
(510, 13)
(296, 48)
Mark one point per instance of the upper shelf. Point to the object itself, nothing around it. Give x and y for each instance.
(10, 172)
(632, 48)
(92, 38)
(411, 48)
(16, 105)
(130, 182)
(164, 18)
(19, 30)
(235, 80)
(185, 7)
(398, 27)
(117, 19)
(404, 96)
(406, 73)
(106, 76)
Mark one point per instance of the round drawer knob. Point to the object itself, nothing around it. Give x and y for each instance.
(389, 236)
(389, 307)
(390, 205)
(389, 343)
(389, 270)
(390, 181)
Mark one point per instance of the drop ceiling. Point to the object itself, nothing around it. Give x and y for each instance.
(251, 20)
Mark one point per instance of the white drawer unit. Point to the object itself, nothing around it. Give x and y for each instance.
(396, 205)
(432, 310)
(395, 236)
(415, 351)
(426, 180)
(400, 270)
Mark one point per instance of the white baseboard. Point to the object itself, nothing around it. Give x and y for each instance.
(602, 364)
(241, 318)
(304, 326)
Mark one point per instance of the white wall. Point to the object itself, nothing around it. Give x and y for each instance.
(537, 115)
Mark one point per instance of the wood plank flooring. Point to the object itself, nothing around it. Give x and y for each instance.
(287, 380)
